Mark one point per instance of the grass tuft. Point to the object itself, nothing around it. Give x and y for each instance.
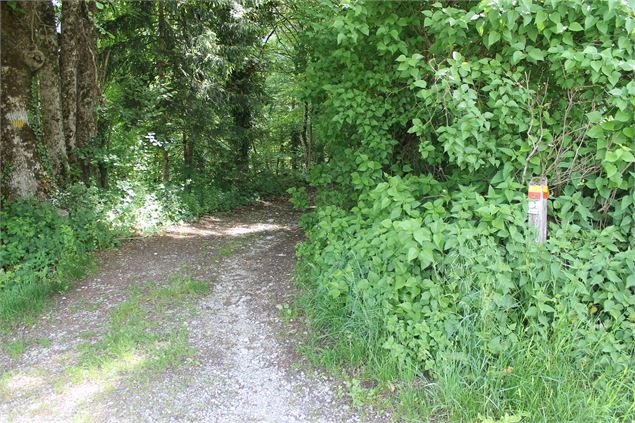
(139, 341)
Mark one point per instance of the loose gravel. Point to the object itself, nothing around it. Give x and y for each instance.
(245, 367)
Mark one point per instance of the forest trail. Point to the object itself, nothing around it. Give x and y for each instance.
(187, 325)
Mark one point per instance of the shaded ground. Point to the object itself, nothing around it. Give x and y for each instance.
(183, 326)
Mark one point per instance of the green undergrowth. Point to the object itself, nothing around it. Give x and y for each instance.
(139, 341)
(452, 304)
(422, 274)
(535, 380)
(46, 246)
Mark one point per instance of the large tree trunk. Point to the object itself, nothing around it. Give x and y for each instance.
(88, 91)
(70, 32)
(20, 59)
(50, 89)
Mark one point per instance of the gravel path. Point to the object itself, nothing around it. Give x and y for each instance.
(244, 366)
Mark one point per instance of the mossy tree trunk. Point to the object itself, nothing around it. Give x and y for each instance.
(88, 92)
(20, 59)
(68, 64)
(50, 89)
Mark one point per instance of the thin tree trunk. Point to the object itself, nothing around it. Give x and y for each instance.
(165, 164)
(165, 171)
(50, 90)
(295, 144)
(306, 147)
(20, 60)
(188, 160)
(310, 138)
(242, 119)
(103, 139)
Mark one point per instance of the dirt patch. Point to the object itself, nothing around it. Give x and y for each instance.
(241, 366)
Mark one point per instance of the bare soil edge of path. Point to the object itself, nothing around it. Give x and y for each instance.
(243, 365)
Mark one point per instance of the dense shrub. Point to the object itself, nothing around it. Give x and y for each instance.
(426, 267)
(42, 251)
(437, 115)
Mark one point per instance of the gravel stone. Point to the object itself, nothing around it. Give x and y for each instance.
(246, 367)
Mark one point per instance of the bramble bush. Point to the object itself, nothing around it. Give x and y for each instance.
(436, 115)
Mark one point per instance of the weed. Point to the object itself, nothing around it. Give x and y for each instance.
(16, 348)
(537, 379)
(138, 343)
(43, 342)
(288, 313)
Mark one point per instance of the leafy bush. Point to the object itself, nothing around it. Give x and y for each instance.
(42, 251)
(435, 117)
(463, 270)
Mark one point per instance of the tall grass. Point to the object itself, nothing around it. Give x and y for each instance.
(540, 379)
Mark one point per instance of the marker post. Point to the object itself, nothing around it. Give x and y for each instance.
(538, 193)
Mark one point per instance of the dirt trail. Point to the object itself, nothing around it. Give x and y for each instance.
(222, 356)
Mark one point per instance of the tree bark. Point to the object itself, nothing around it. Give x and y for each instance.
(20, 59)
(50, 90)
(68, 64)
(88, 91)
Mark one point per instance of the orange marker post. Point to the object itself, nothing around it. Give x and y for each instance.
(538, 193)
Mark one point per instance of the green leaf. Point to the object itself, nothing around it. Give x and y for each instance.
(610, 168)
(623, 116)
(421, 235)
(492, 38)
(595, 132)
(413, 252)
(627, 155)
(614, 77)
(594, 116)
(518, 56)
(426, 257)
(610, 157)
(574, 26)
(536, 54)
